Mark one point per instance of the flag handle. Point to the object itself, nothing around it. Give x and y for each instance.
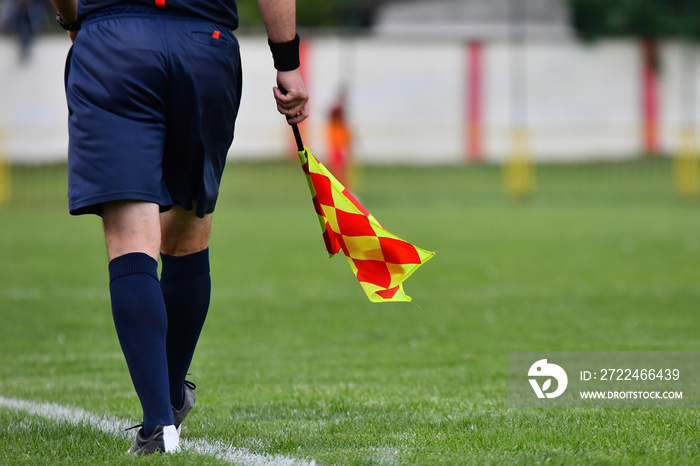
(297, 137)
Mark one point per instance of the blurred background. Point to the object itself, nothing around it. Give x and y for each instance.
(513, 83)
(545, 149)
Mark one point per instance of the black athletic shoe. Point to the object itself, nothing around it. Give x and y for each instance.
(164, 439)
(187, 405)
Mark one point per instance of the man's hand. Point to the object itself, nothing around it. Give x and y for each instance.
(73, 35)
(294, 104)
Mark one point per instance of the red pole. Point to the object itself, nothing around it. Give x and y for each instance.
(474, 101)
(650, 97)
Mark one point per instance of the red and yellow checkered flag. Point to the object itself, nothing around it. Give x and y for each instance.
(380, 260)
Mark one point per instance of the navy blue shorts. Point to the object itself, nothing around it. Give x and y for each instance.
(153, 98)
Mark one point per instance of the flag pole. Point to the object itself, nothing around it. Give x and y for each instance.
(297, 137)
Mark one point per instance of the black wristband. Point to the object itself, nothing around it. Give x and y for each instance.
(74, 26)
(286, 54)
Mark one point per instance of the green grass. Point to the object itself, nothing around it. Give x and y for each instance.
(294, 360)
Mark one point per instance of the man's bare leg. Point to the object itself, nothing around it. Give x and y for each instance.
(132, 231)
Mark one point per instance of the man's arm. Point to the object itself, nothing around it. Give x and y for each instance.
(68, 10)
(279, 17)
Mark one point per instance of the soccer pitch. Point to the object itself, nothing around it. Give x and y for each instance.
(296, 366)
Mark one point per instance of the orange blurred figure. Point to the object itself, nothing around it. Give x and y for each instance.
(339, 140)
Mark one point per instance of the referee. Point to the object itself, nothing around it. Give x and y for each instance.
(153, 90)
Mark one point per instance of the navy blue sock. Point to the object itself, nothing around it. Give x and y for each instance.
(141, 322)
(186, 285)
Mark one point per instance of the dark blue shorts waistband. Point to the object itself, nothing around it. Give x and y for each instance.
(136, 10)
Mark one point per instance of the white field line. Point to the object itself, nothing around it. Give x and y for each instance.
(115, 427)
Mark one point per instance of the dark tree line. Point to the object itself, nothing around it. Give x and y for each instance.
(648, 19)
(319, 13)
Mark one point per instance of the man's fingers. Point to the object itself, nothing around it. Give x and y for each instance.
(295, 114)
(295, 108)
(302, 115)
(291, 107)
(285, 97)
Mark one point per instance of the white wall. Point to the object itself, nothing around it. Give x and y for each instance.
(582, 101)
(406, 103)
(33, 113)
